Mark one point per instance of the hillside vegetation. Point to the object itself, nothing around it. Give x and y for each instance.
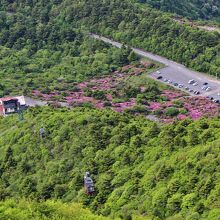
(38, 51)
(48, 69)
(153, 31)
(29, 210)
(141, 169)
(138, 167)
(195, 9)
(54, 25)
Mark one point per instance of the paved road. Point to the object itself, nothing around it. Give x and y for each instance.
(175, 71)
(34, 102)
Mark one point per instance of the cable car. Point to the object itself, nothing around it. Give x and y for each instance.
(42, 132)
(88, 184)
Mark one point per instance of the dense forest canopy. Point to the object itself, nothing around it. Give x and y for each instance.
(49, 69)
(20, 209)
(55, 24)
(139, 167)
(194, 9)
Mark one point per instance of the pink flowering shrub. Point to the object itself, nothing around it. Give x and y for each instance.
(195, 114)
(154, 106)
(170, 94)
(106, 84)
(112, 87)
(181, 116)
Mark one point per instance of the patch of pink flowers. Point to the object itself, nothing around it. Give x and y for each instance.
(44, 96)
(154, 106)
(170, 94)
(181, 117)
(200, 106)
(99, 105)
(82, 85)
(121, 106)
(195, 114)
(108, 83)
(194, 107)
(109, 97)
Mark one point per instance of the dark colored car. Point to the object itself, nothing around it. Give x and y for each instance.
(159, 77)
(205, 83)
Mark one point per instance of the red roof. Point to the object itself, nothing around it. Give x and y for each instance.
(7, 99)
(1, 108)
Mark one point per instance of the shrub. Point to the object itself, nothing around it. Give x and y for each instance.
(172, 111)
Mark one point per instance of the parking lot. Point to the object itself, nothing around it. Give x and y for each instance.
(176, 73)
(203, 86)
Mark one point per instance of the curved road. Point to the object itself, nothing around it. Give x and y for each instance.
(174, 71)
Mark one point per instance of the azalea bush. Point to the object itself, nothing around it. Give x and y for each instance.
(126, 89)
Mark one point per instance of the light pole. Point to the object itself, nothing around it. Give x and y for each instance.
(20, 115)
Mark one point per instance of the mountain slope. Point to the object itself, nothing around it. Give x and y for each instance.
(195, 9)
(139, 27)
(138, 167)
(32, 210)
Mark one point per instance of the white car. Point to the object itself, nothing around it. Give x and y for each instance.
(158, 72)
(191, 81)
(195, 84)
(208, 89)
(219, 94)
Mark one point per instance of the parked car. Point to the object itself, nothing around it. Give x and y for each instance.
(158, 72)
(195, 84)
(165, 80)
(186, 88)
(204, 87)
(175, 84)
(205, 83)
(191, 81)
(159, 77)
(181, 85)
(196, 92)
(216, 101)
(208, 89)
(191, 90)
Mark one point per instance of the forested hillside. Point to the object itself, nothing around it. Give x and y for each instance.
(138, 167)
(21, 209)
(53, 26)
(43, 54)
(195, 9)
(48, 69)
(141, 169)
